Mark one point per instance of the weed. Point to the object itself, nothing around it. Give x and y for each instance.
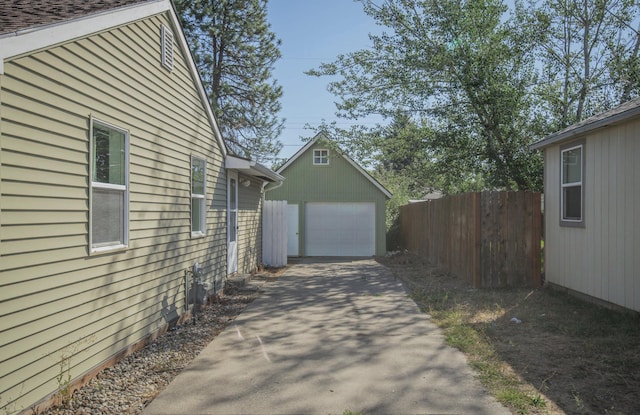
(7, 409)
(538, 401)
(545, 364)
(577, 399)
(64, 377)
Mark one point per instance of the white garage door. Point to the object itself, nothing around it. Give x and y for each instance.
(340, 229)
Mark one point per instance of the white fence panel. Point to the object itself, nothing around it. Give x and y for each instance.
(274, 233)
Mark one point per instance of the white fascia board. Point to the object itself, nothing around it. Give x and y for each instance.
(346, 157)
(299, 153)
(41, 37)
(33, 39)
(267, 172)
(251, 167)
(182, 41)
(238, 163)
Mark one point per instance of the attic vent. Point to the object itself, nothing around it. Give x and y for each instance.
(167, 48)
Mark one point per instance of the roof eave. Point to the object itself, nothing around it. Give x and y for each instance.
(252, 168)
(577, 131)
(39, 37)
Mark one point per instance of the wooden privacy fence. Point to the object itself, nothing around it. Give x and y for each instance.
(274, 233)
(490, 238)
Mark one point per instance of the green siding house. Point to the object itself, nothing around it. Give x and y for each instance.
(114, 182)
(335, 208)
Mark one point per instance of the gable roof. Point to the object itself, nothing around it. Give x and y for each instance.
(17, 15)
(614, 116)
(52, 22)
(322, 135)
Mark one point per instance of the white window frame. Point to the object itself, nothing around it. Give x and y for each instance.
(323, 158)
(200, 198)
(98, 248)
(566, 221)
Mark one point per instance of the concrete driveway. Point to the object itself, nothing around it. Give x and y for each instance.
(327, 337)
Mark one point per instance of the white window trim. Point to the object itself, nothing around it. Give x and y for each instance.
(99, 249)
(320, 150)
(569, 221)
(202, 199)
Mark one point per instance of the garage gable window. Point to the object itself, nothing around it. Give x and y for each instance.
(109, 209)
(571, 184)
(321, 157)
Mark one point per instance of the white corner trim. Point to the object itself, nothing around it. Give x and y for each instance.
(29, 40)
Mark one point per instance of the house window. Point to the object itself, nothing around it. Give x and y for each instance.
(109, 214)
(321, 157)
(198, 196)
(571, 183)
(166, 44)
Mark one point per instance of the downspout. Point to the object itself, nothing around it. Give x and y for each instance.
(265, 190)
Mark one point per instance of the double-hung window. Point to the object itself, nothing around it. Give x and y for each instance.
(321, 157)
(571, 183)
(198, 196)
(109, 216)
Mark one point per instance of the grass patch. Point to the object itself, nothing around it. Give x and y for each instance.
(565, 356)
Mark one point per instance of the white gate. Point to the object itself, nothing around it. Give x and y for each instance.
(274, 233)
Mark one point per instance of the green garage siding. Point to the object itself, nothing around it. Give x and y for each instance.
(340, 181)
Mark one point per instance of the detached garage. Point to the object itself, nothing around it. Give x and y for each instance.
(335, 208)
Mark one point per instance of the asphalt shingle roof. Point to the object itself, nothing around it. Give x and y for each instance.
(624, 111)
(16, 15)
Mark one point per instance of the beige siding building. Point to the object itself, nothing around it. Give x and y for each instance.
(592, 200)
(113, 183)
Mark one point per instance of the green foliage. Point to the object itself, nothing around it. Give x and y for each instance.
(589, 55)
(235, 52)
(467, 86)
(462, 71)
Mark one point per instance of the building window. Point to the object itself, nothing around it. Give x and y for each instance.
(198, 196)
(321, 157)
(571, 183)
(166, 44)
(109, 214)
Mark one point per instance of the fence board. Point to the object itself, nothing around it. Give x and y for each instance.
(492, 239)
(274, 234)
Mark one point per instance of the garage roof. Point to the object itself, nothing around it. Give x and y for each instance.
(362, 171)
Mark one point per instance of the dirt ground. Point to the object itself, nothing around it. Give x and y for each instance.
(578, 358)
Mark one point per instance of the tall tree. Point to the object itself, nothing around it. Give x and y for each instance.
(589, 55)
(624, 62)
(235, 51)
(461, 67)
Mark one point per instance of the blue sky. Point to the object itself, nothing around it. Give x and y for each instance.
(312, 32)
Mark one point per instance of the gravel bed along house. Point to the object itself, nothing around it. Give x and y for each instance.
(132, 383)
